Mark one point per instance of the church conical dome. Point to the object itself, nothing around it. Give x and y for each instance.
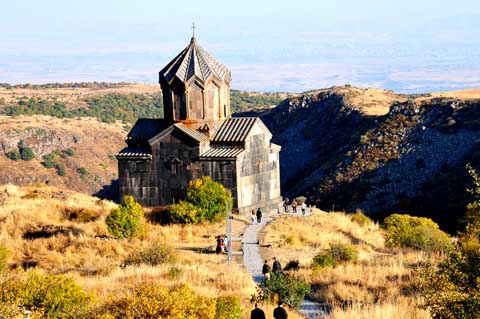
(194, 61)
(195, 87)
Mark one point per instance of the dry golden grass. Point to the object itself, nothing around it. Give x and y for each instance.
(370, 101)
(97, 263)
(383, 283)
(293, 238)
(463, 94)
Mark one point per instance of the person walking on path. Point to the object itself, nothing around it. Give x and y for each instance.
(280, 312)
(254, 217)
(285, 204)
(257, 313)
(304, 207)
(266, 270)
(294, 206)
(276, 267)
(259, 216)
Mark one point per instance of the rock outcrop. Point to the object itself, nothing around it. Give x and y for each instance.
(345, 153)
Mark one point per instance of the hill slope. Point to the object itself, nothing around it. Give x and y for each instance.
(85, 149)
(378, 151)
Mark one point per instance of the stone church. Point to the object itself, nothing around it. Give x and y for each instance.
(198, 137)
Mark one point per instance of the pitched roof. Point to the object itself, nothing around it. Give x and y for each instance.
(234, 129)
(194, 61)
(130, 152)
(145, 129)
(192, 133)
(222, 153)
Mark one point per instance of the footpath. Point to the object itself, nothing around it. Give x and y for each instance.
(253, 262)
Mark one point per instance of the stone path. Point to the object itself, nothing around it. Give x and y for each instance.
(253, 262)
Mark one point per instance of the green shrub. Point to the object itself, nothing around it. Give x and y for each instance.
(26, 153)
(57, 296)
(415, 232)
(228, 307)
(323, 260)
(82, 171)
(126, 221)
(4, 255)
(210, 198)
(69, 152)
(13, 155)
(153, 301)
(206, 201)
(451, 290)
(49, 159)
(289, 289)
(60, 168)
(182, 213)
(360, 218)
(336, 254)
(154, 255)
(343, 253)
(2, 101)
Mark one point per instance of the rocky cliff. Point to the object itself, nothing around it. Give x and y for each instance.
(354, 148)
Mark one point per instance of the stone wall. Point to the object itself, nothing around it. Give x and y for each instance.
(258, 175)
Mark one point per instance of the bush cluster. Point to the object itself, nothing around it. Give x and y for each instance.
(451, 290)
(13, 155)
(415, 232)
(206, 200)
(107, 108)
(360, 218)
(26, 153)
(156, 254)
(55, 295)
(153, 301)
(126, 221)
(228, 307)
(289, 289)
(337, 254)
(49, 159)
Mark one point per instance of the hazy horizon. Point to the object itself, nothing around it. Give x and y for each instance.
(407, 47)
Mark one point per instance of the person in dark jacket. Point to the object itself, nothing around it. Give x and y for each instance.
(266, 270)
(259, 216)
(276, 267)
(285, 204)
(280, 312)
(257, 313)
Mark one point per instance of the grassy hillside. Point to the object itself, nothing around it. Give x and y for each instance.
(56, 231)
(378, 151)
(383, 283)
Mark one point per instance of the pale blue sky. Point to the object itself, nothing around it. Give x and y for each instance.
(270, 45)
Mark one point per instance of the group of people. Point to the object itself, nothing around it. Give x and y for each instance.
(278, 313)
(294, 205)
(222, 244)
(266, 269)
(257, 216)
